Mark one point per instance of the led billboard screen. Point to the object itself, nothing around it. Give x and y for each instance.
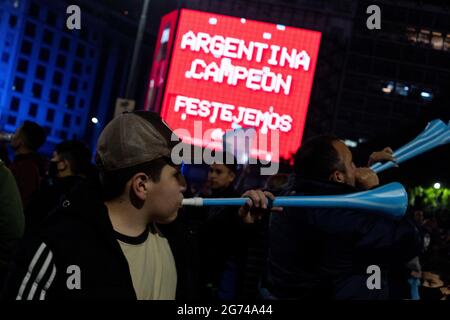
(227, 72)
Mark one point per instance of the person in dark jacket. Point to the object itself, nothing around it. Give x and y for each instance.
(225, 256)
(221, 258)
(28, 167)
(113, 249)
(69, 167)
(325, 253)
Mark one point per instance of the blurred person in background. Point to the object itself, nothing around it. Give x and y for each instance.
(28, 167)
(435, 280)
(70, 168)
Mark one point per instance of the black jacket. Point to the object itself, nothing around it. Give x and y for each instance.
(74, 239)
(203, 240)
(50, 195)
(324, 253)
(79, 233)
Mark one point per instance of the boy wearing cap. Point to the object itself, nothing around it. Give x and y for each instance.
(112, 250)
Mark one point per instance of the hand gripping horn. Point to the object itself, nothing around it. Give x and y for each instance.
(435, 134)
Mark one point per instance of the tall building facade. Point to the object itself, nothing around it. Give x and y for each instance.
(61, 78)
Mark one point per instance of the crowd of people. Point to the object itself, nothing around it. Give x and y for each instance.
(70, 229)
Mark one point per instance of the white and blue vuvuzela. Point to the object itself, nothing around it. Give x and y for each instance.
(435, 134)
(390, 199)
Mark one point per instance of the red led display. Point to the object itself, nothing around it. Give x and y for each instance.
(227, 72)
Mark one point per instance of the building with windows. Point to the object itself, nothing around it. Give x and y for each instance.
(393, 75)
(58, 77)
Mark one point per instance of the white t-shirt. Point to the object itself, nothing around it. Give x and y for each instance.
(151, 264)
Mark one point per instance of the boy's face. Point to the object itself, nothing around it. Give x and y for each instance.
(62, 166)
(219, 176)
(165, 196)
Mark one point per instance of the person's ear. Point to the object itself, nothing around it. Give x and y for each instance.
(337, 176)
(140, 185)
(232, 175)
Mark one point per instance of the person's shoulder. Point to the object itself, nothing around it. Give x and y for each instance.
(71, 220)
(72, 226)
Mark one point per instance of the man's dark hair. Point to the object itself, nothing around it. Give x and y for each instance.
(317, 158)
(114, 182)
(77, 154)
(34, 135)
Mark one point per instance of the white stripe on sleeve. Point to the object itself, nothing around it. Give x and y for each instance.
(30, 270)
(48, 284)
(40, 275)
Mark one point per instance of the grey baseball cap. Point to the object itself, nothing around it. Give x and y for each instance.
(134, 138)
